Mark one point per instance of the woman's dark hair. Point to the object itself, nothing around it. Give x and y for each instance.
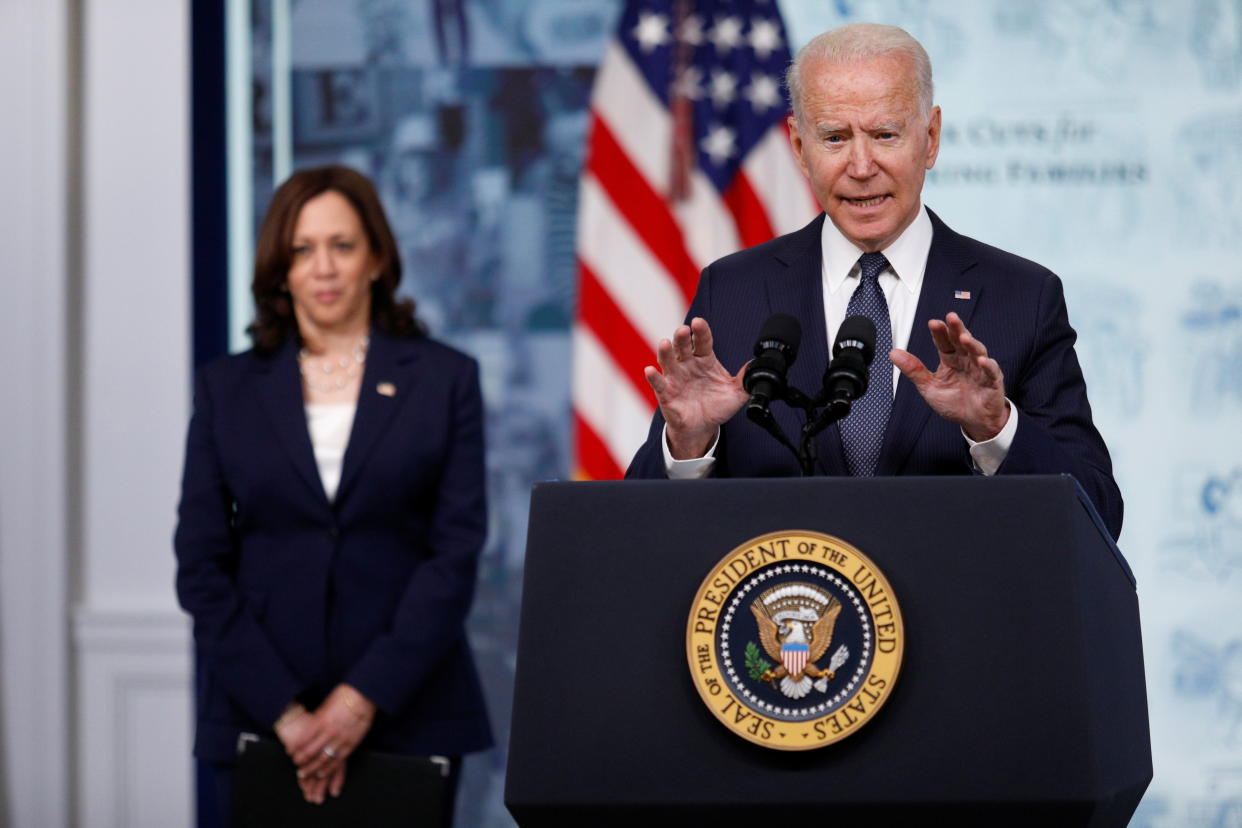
(274, 320)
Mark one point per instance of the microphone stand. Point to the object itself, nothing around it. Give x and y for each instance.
(816, 420)
(836, 410)
(759, 414)
(845, 380)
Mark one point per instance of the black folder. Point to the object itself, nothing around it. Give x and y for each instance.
(381, 790)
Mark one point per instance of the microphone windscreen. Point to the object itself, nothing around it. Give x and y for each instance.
(783, 328)
(856, 332)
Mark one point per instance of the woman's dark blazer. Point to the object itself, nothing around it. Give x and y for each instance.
(292, 594)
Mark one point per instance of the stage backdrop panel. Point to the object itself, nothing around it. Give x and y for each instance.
(1102, 139)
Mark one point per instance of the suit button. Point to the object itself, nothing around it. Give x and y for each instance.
(334, 533)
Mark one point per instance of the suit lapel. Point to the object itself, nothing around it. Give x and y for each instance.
(798, 290)
(280, 394)
(387, 380)
(950, 283)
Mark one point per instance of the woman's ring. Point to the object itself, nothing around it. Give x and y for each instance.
(329, 752)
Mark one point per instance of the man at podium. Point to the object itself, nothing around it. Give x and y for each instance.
(939, 401)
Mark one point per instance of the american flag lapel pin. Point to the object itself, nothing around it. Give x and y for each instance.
(961, 294)
(386, 389)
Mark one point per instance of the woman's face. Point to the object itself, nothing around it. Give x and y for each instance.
(331, 267)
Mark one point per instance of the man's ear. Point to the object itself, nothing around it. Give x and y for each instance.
(933, 137)
(795, 141)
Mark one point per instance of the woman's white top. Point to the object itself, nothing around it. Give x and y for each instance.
(329, 425)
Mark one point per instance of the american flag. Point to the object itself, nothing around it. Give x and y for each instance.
(688, 160)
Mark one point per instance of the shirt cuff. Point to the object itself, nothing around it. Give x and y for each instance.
(688, 469)
(989, 454)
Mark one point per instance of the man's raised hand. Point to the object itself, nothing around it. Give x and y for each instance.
(695, 392)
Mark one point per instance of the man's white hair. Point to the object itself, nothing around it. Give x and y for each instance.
(857, 42)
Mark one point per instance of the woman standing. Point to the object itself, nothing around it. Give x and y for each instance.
(332, 507)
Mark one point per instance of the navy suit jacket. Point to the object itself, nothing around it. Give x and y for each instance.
(291, 593)
(1015, 307)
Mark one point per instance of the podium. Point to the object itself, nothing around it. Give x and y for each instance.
(1020, 698)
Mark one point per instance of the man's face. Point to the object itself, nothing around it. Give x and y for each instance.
(865, 145)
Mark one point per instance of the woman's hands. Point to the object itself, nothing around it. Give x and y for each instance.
(319, 742)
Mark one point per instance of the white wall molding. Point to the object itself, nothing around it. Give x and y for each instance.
(134, 764)
(34, 500)
(132, 677)
(131, 631)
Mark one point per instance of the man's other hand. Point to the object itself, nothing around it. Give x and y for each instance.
(968, 387)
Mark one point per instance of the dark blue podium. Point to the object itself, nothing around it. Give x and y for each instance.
(1020, 700)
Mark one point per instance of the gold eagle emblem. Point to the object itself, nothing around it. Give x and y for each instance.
(795, 627)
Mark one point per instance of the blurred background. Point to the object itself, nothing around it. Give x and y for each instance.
(1102, 138)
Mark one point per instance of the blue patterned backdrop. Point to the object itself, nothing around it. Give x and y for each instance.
(1102, 138)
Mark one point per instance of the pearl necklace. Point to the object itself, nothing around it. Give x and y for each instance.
(338, 373)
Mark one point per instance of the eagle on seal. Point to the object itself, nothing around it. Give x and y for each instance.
(795, 627)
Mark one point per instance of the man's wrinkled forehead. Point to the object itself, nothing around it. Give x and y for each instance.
(833, 89)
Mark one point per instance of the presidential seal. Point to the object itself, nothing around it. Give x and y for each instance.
(794, 640)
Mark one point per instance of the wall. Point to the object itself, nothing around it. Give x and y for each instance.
(34, 518)
(96, 327)
(132, 678)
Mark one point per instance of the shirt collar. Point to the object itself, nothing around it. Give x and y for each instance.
(907, 255)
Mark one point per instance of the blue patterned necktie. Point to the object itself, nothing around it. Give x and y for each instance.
(862, 432)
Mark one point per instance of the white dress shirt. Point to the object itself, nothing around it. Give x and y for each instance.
(901, 282)
(329, 425)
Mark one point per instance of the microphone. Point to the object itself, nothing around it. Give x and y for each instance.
(846, 377)
(775, 351)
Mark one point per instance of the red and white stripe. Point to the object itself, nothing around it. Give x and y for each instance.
(640, 253)
(794, 660)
